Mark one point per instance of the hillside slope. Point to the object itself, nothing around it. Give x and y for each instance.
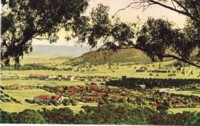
(108, 56)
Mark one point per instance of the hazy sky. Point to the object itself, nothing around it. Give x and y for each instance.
(128, 15)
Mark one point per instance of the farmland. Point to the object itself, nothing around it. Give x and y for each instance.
(59, 82)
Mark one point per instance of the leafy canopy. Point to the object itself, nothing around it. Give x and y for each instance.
(23, 20)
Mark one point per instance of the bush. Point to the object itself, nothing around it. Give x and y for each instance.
(26, 100)
(66, 102)
(5, 117)
(73, 102)
(31, 117)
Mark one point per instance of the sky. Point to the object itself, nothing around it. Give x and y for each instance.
(128, 15)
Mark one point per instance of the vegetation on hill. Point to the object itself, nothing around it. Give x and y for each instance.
(102, 56)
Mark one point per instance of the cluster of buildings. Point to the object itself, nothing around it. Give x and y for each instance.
(17, 87)
(90, 92)
(163, 97)
(70, 77)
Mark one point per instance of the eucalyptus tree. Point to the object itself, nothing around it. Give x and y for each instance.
(24, 20)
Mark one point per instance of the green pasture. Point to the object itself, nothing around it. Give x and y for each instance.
(37, 82)
(180, 110)
(100, 70)
(186, 93)
(42, 58)
(15, 107)
(21, 95)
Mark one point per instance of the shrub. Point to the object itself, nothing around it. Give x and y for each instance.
(73, 102)
(30, 116)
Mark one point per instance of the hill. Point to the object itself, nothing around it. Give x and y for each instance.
(102, 56)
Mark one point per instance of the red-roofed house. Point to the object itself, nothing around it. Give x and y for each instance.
(197, 104)
(47, 98)
(93, 86)
(42, 99)
(155, 105)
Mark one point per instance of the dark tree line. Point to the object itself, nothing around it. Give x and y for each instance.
(152, 82)
(103, 114)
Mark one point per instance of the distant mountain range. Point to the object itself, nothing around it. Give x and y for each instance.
(72, 51)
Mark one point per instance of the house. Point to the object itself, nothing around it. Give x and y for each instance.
(57, 98)
(93, 86)
(53, 77)
(197, 105)
(165, 89)
(179, 104)
(69, 78)
(142, 86)
(42, 99)
(155, 105)
(101, 94)
(105, 90)
(58, 88)
(124, 93)
(18, 87)
(89, 98)
(47, 98)
(36, 76)
(93, 93)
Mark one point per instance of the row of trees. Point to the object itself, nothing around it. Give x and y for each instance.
(29, 67)
(103, 114)
(152, 82)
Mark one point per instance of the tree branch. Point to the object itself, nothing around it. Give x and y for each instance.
(176, 10)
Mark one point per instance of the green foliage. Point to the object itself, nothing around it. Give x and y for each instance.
(26, 20)
(162, 108)
(111, 114)
(5, 117)
(194, 119)
(154, 37)
(103, 114)
(58, 116)
(152, 82)
(74, 102)
(30, 116)
(66, 102)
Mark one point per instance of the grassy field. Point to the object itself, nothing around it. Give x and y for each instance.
(180, 110)
(186, 93)
(21, 95)
(35, 82)
(14, 107)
